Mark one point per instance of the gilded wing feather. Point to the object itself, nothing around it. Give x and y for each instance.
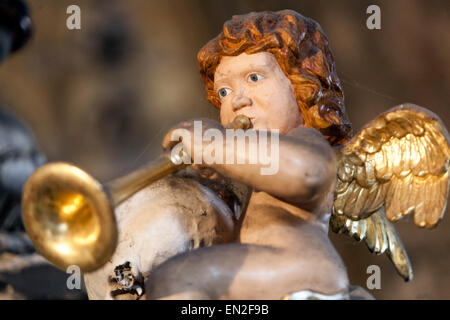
(401, 161)
(397, 165)
(379, 235)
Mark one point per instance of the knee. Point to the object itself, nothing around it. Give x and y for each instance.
(165, 283)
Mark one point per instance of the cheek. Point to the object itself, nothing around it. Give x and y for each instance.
(287, 97)
(279, 107)
(273, 99)
(265, 96)
(288, 93)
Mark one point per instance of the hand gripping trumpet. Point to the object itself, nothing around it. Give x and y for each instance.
(69, 215)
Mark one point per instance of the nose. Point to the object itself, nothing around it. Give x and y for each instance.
(240, 101)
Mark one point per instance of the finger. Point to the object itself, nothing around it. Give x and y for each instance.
(177, 136)
(167, 142)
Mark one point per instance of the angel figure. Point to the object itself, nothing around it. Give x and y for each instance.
(277, 69)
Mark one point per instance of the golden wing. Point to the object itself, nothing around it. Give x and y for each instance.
(400, 162)
(379, 235)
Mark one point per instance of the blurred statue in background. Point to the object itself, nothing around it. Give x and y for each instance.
(19, 155)
(265, 237)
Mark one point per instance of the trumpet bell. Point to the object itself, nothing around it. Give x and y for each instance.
(69, 217)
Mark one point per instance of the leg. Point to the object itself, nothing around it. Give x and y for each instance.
(242, 271)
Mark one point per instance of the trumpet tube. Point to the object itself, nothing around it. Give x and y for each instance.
(69, 215)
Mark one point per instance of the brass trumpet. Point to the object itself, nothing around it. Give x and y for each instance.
(69, 215)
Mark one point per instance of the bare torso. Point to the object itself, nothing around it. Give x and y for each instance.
(281, 249)
(282, 244)
(304, 257)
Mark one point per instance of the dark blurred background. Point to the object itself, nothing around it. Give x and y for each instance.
(102, 97)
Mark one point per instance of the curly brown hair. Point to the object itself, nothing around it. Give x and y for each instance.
(301, 49)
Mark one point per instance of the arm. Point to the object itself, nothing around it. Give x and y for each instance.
(306, 167)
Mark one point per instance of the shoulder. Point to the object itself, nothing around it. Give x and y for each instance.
(312, 137)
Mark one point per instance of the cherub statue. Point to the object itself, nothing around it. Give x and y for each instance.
(277, 69)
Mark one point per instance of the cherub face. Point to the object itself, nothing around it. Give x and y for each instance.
(254, 85)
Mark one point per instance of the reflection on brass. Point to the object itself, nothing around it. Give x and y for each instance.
(397, 165)
(69, 215)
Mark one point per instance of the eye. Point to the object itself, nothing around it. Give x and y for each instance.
(255, 77)
(223, 92)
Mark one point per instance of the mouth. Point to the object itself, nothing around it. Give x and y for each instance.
(252, 120)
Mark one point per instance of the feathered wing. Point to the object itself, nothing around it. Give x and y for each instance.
(379, 235)
(397, 164)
